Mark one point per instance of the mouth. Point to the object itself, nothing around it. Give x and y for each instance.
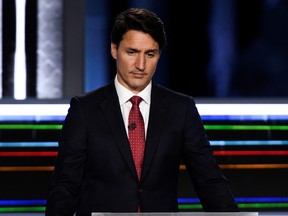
(138, 74)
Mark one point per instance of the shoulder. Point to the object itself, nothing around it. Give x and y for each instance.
(101, 93)
(161, 92)
(95, 97)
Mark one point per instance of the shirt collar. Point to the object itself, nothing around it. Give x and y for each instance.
(124, 94)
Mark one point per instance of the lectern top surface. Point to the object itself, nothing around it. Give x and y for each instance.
(180, 214)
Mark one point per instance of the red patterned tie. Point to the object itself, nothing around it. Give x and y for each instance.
(136, 132)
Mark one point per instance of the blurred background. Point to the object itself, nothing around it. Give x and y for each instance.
(219, 48)
(219, 51)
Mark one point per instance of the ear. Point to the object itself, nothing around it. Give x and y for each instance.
(114, 50)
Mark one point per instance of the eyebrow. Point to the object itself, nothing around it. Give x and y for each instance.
(147, 51)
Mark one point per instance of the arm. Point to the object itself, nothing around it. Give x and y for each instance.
(66, 179)
(209, 182)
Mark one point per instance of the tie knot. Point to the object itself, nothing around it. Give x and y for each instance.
(135, 100)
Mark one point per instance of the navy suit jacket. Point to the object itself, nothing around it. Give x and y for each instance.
(94, 170)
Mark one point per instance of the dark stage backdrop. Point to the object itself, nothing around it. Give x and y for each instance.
(218, 49)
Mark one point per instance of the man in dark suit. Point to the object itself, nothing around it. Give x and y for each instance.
(95, 171)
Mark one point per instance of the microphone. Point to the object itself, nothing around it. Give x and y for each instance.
(132, 126)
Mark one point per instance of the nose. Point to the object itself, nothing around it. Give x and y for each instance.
(140, 63)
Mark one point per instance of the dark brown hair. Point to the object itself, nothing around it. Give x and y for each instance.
(138, 19)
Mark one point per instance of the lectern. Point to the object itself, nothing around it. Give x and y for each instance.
(180, 214)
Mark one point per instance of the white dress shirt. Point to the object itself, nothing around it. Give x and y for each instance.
(124, 95)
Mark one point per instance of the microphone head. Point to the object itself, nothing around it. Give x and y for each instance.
(132, 126)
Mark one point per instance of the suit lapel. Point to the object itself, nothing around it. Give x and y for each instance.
(112, 111)
(157, 120)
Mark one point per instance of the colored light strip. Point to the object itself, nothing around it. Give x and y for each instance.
(180, 201)
(261, 199)
(32, 118)
(247, 166)
(33, 110)
(205, 109)
(240, 205)
(251, 152)
(22, 202)
(188, 200)
(263, 205)
(213, 143)
(181, 207)
(205, 118)
(189, 206)
(207, 127)
(182, 167)
(243, 109)
(22, 209)
(25, 168)
(247, 142)
(246, 127)
(183, 204)
(243, 117)
(30, 126)
(253, 166)
(28, 154)
(28, 144)
(241, 199)
(216, 153)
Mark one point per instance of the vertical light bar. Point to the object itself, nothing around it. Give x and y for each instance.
(20, 57)
(49, 49)
(1, 49)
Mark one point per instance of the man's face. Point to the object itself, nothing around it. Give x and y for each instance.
(136, 59)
